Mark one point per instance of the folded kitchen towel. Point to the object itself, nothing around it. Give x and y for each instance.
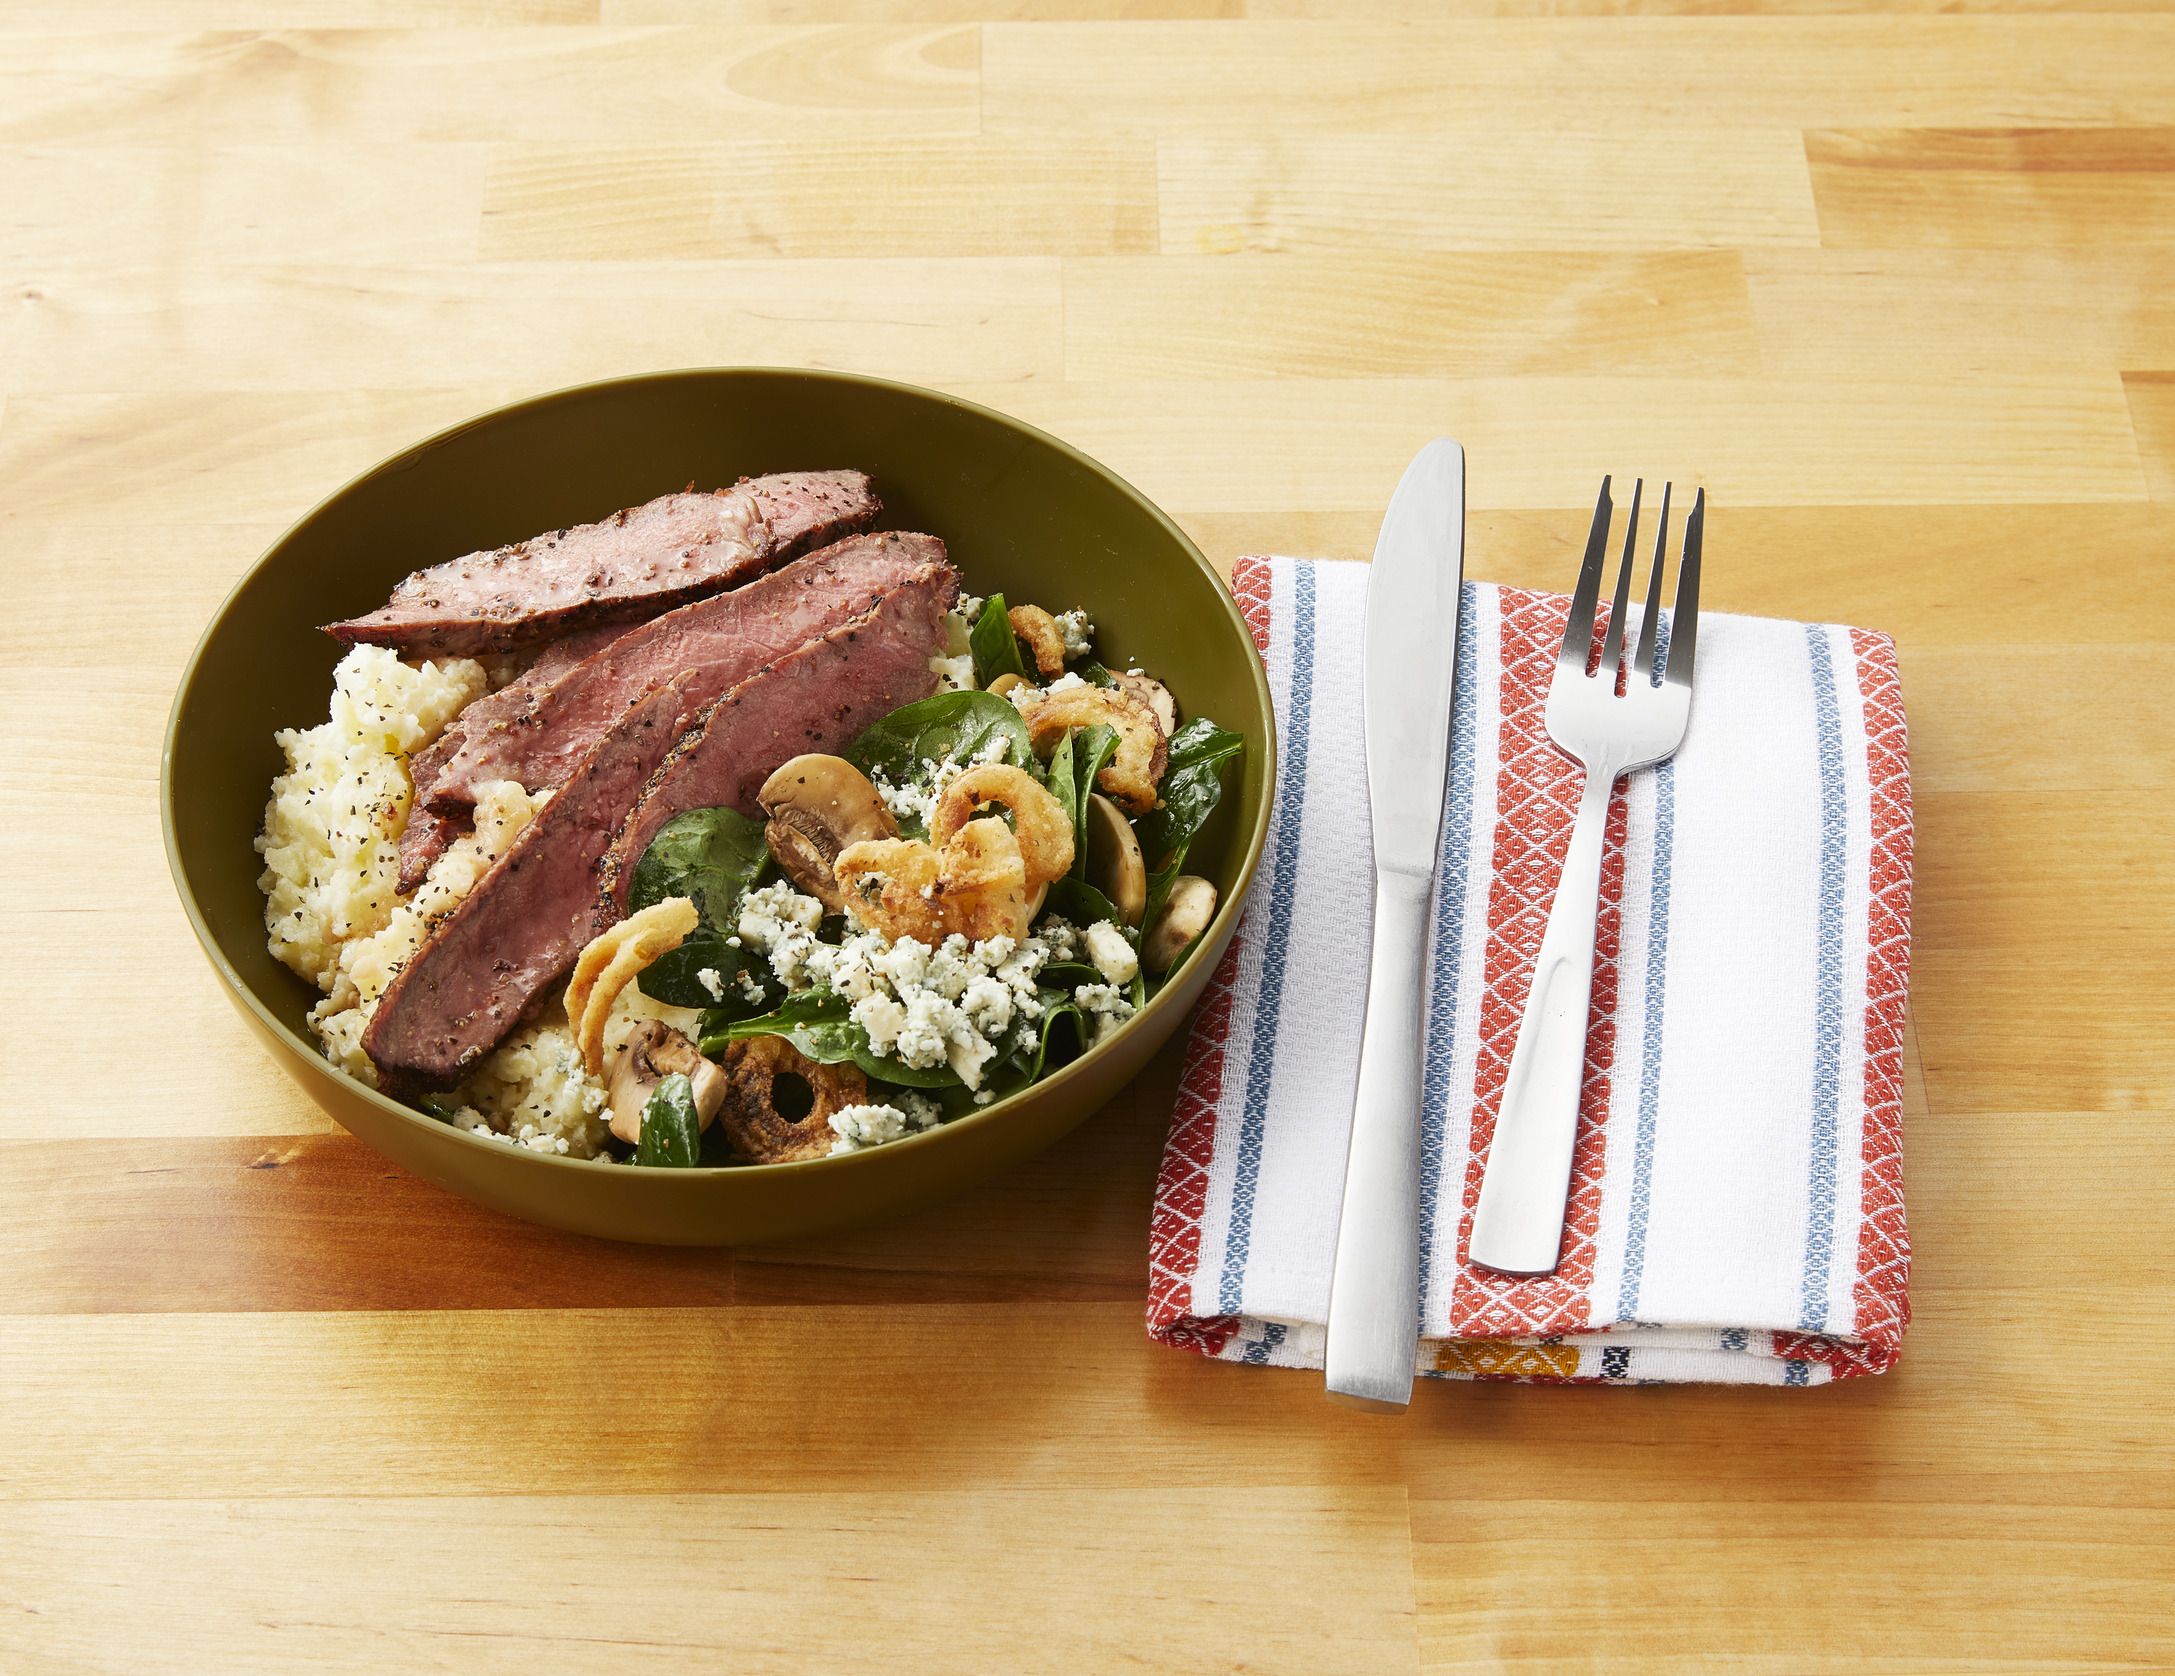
(1736, 1208)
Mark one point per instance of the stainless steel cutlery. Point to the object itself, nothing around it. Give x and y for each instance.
(1410, 658)
(1518, 1223)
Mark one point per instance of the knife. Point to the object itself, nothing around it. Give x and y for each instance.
(1407, 676)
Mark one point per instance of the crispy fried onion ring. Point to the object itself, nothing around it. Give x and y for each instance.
(976, 885)
(1129, 777)
(1038, 819)
(765, 1115)
(1039, 629)
(612, 961)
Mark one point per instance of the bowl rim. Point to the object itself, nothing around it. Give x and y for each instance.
(239, 990)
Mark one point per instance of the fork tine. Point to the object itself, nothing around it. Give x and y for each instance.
(1642, 662)
(1578, 628)
(1684, 624)
(1612, 645)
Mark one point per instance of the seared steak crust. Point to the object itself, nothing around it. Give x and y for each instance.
(629, 566)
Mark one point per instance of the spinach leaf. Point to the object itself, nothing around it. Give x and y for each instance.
(1068, 975)
(710, 855)
(671, 1132)
(675, 977)
(1095, 747)
(1078, 901)
(1064, 787)
(1025, 1065)
(1192, 787)
(820, 1024)
(955, 725)
(996, 648)
(1095, 674)
(1079, 757)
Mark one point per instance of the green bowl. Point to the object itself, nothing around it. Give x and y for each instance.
(1021, 512)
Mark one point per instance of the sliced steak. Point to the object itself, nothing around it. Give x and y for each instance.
(488, 963)
(629, 566)
(805, 510)
(426, 837)
(526, 920)
(719, 641)
(815, 699)
(429, 833)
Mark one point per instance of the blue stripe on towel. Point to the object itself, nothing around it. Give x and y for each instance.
(1257, 1350)
(1657, 978)
(1283, 884)
(1456, 862)
(1828, 998)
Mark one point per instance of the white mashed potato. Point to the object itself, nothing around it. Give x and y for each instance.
(331, 858)
(332, 830)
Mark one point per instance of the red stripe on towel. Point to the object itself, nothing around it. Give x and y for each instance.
(1531, 835)
(1181, 1189)
(1883, 1296)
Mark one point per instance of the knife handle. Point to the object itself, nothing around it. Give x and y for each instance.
(1518, 1222)
(1374, 1303)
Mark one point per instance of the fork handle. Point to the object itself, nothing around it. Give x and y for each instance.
(1518, 1223)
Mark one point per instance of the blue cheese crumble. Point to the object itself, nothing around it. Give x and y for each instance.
(956, 1004)
(860, 1127)
(1078, 633)
(1104, 1006)
(1112, 954)
(916, 800)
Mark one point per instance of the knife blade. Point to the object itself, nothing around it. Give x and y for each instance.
(1407, 683)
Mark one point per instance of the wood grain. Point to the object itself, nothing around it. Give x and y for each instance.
(1323, 315)
(1493, 189)
(829, 196)
(1675, 75)
(2058, 186)
(1890, 276)
(759, 1583)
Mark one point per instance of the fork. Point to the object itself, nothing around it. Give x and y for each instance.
(1518, 1223)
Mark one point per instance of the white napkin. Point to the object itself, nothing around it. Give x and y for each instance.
(1737, 1199)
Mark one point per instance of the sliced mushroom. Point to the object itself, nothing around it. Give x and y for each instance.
(817, 806)
(778, 1102)
(1044, 638)
(1115, 865)
(655, 1051)
(1155, 695)
(1186, 913)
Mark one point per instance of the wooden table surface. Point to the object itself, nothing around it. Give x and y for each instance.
(1898, 286)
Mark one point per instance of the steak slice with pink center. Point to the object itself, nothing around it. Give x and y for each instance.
(490, 961)
(486, 963)
(719, 642)
(820, 699)
(429, 834)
